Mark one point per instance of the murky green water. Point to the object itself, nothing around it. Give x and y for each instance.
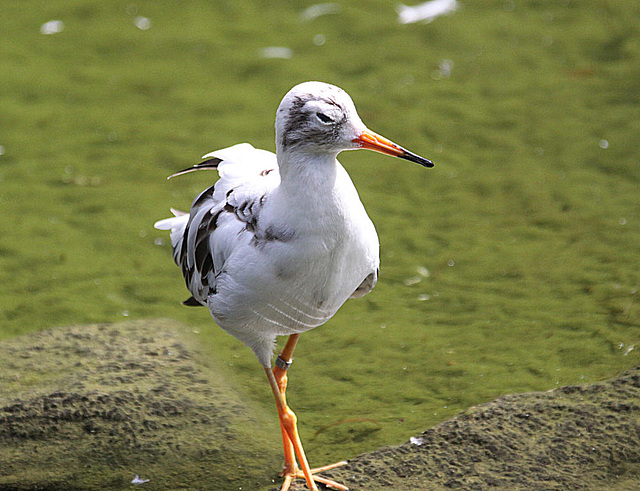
(511, 266)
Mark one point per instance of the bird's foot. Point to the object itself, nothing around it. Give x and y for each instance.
(296, 473)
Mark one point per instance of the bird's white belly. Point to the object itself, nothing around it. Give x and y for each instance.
(284, 288)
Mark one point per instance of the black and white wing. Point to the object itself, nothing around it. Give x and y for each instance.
(223, 217)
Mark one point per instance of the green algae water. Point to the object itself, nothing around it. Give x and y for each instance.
(510, 266)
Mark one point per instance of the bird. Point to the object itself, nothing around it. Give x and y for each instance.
(281, 241)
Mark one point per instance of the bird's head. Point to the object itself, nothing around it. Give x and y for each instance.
(316, 117)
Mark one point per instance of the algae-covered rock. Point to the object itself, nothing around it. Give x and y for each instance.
(91, 407)
(577, 437)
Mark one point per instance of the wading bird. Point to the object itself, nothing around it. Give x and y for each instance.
(281, 241)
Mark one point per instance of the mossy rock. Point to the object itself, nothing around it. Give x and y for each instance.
(91, 407)
(575, 437)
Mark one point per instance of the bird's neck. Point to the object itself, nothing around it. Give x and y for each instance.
(308, 176)
(315, 197)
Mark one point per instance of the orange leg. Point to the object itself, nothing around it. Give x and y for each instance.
(290, 438)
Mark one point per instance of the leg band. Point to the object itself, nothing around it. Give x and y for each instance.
(284, 365)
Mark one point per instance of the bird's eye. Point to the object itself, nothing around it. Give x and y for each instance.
(324, 118)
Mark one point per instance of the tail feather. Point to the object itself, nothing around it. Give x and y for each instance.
(176, 224)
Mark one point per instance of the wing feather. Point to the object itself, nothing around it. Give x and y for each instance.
(222, 217)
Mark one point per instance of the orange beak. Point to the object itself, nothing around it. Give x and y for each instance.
(372, 141)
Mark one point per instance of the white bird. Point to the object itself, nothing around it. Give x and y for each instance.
(281, 241)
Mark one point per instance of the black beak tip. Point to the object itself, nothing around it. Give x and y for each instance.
(412, 157)
(427, 163)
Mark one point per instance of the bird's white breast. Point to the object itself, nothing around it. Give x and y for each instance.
(322, 251)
